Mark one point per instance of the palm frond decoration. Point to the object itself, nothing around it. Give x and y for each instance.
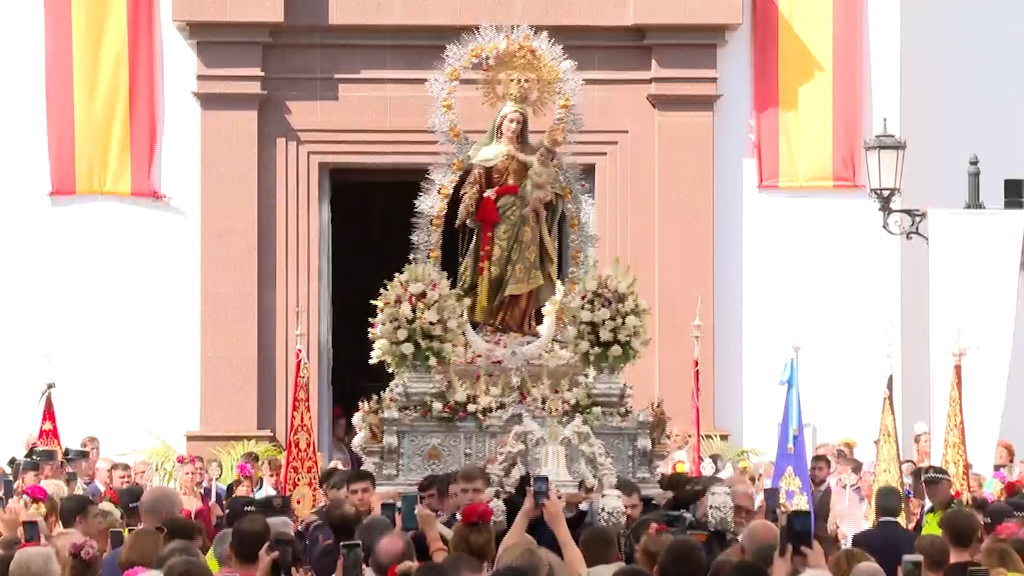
(161, 458)
(230, 454)
(710, 444)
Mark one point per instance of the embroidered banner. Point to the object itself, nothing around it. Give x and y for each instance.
(808, 68)
(101, 96)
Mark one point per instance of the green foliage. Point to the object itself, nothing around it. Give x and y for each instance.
(230, 454)
(162, 458)
(717, 445)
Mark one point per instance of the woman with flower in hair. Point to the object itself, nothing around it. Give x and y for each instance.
(196, 507)
(473, 535)
(652, 544)
(34, 500)
(245, 484)
(84, 558)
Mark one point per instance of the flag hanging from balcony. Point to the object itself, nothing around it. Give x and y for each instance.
(101, 110)
(807, 61)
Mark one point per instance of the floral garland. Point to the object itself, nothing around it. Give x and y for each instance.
(418, 319)
(489, 47)
(507, 466)
(607, 320)
(598, 470)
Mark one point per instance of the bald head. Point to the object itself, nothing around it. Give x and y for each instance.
(391, 550)
(867, 569)
(158, 504)
(760, 542)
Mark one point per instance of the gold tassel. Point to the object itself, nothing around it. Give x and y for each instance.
(482, 289)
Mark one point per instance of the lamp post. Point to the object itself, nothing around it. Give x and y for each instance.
(884, 156)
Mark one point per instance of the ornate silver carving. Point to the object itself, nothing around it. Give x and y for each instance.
(608, 390)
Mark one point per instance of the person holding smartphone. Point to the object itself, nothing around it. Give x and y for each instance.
(552, 513)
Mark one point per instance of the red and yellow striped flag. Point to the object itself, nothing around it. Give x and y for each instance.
(808, 60)
(101, 96)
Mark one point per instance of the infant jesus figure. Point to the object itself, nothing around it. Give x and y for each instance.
(539, 181)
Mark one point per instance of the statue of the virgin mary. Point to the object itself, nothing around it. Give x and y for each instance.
(510, 204)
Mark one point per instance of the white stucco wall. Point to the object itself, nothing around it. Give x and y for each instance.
(813, 268)
(961, 95)
(106, 288)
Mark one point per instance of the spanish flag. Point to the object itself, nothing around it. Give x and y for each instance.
(101, 109)
(807, 61)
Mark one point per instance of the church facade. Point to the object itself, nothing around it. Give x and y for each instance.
(290, 90)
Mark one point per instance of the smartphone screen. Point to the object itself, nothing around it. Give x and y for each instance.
(30, 529)
(771, 505)
(409, 503)
(977, 571)
(799, 530)
(351, 558)
(387, 510)
(116, 538)
(540, 488)
(8, 488)
(912, 564)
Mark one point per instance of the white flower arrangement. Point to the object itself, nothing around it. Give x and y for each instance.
(508, 464)
(419, 319)
(607, 320)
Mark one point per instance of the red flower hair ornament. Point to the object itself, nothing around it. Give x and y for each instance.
(655, 529)
(476, 513)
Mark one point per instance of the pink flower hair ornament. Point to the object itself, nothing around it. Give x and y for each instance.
(35, 493)
(184, 459)
(85, 550)
(245, 470)
(135, 571)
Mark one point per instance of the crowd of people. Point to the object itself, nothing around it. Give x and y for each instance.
(77, 513)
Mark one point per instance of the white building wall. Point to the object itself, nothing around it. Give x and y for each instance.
(812, 268)
(100, 294)
(962, 94)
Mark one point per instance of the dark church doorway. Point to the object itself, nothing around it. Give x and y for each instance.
(371, 219)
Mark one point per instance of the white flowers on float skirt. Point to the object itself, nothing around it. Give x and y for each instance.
(418, 319)
(607, 320)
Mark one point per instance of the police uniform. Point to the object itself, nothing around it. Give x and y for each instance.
(929, 522)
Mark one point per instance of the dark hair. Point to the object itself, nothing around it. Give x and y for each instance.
(5, 563)
(73, 507)
(627, 487)
(458, 564)
(722, 565)
(360, 476)
(248, 536)
(747, 568)
(935, 552)
(121, 467)
(684, 556)
(250, 457)
(178, 528)
(342, 519)
(468, 474)
(428, 483)
(599, 545)
(187, 566)
(199, 460)
(822, 459)
(333, 479)
(432, 569)
(888, 502)
(911, 462)
(960, 527)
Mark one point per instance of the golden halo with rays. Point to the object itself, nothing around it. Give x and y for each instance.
(515, 71)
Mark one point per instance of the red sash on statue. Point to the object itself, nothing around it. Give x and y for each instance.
(487, 217)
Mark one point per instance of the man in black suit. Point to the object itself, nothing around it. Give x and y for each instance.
(888, 541)
(821, 497)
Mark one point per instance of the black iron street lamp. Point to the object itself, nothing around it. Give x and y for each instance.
(884, 154)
